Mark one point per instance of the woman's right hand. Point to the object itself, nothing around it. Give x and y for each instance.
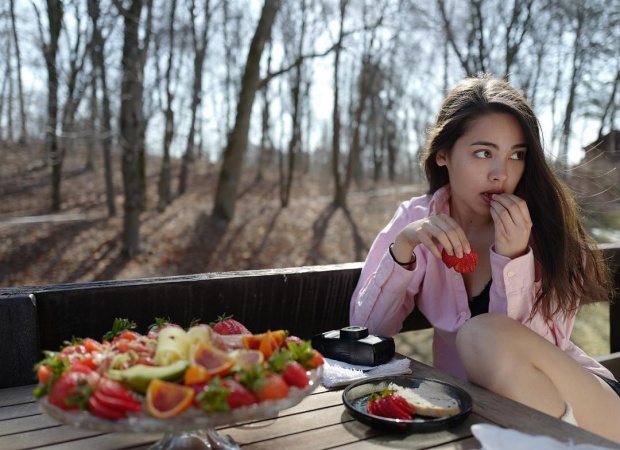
(430, 231)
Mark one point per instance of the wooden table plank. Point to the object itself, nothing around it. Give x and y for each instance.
(20, 410)
(510, 414)
(109, 441)
(28, 423)
(43, 437)
(416, 441)
(16, 395)
(464, 444)
(320, 421)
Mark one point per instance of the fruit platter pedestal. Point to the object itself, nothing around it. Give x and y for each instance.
(197, 440)
(194, 429)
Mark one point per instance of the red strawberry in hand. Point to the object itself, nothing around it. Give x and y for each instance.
(462, 265)
(226, 325)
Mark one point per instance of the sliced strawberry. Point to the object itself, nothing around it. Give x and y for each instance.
(386, 404)
(465, 264)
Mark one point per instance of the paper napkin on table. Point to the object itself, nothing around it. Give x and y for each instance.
(338, 373)
(493, 437)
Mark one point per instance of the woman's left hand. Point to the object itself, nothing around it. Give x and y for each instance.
(512, 225)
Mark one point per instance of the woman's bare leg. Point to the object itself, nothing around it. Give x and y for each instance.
(508, 358)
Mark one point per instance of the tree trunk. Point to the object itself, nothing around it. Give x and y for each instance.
(23, 137)
(354, 151)
(294, 147)
(200, 50)
(131, 124)
(265, 141)
(50, 50)
(97, 52)
(572, 89)
(229, 178)
(165, 174)
(93, 136)
(339, 193)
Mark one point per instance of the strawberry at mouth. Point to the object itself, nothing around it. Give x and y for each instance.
(488, 196)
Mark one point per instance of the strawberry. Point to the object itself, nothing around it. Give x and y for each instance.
(224, 395)
(295, 375)
(226, 325)
(239, 395)
(462, 265)
(273, 387)
(387, 404)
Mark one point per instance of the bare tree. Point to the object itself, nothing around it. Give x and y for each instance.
(483, 28)
(132, 119)
(200, 44)
(295, 38)
(611, 107)
(367, 79)
(97, 47)
(165, 174)
(230, 174)
(23, 137)
(339, 192)
(584, 16)
(266, 146)
(50, 50)
(75, 88)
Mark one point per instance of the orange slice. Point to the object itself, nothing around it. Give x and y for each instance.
(253, 341)
(196, 374)
(268, 344)
(165, 399)
(215, 361)
(245, 359)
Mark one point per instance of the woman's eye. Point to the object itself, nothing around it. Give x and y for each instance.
(483, 154)
(518, 155)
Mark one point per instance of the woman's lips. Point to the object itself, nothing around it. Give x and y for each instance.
(487, 196)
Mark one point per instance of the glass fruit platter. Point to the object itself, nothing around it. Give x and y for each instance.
(182, 383)
(193, 425)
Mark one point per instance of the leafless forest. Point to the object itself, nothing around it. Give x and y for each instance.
(309, 100)
(147, 138)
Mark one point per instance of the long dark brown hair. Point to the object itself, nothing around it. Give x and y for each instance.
(573, 270)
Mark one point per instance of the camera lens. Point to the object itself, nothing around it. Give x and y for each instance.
(353, 333)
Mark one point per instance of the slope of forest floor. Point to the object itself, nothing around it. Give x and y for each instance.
(81, 243)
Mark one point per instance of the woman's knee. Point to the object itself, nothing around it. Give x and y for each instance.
(483, 345)
(481, 332)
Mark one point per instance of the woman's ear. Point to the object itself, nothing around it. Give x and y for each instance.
(441, 158)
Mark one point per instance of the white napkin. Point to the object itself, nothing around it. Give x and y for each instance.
(493, 437)
(338, 373)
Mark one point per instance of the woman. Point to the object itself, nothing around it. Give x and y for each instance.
(506, 324)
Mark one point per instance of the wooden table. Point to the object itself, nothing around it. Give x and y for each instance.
(320, 421)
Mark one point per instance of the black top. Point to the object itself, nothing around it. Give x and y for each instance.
(480, 303)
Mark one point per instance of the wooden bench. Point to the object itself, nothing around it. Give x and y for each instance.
(304, 300)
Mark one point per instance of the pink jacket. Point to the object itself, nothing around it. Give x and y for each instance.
(387, 293)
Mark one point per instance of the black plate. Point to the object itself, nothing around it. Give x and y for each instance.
(356, 395)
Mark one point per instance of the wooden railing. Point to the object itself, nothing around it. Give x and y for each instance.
(305, 301)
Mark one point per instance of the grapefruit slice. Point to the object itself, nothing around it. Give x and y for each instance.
(215, 361)
(165, 399)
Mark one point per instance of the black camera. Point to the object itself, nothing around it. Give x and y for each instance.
(354, 345)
